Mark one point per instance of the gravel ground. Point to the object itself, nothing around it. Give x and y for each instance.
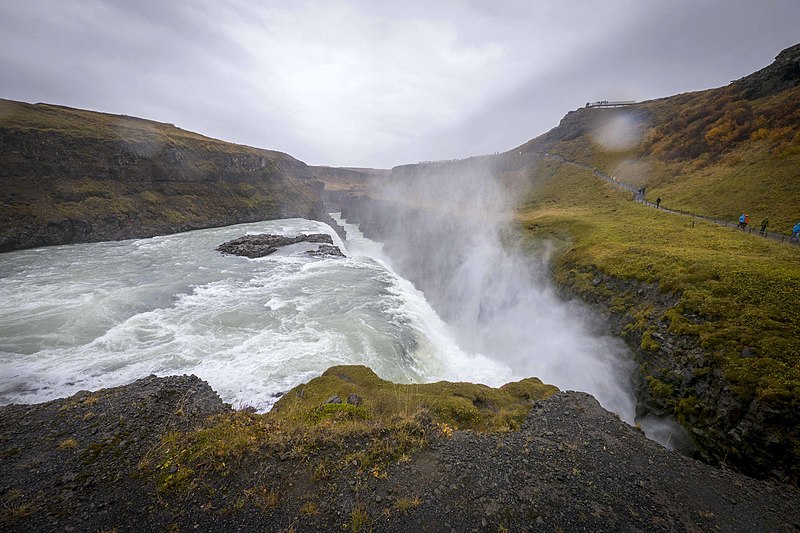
(74, 465)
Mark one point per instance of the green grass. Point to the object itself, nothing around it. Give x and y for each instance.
(753, 181)
(460, 405)
(744, 290)
(390, 424)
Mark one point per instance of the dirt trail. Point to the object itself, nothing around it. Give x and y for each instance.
(752, 230)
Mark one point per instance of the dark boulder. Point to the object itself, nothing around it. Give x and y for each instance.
(326, 250)
(264, 244)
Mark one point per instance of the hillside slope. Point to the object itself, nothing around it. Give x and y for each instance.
(719, 152)
(69, 175)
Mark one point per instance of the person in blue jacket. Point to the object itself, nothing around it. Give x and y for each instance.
(741, 221)
(795, 232)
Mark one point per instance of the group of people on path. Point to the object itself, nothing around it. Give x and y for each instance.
(744, 220)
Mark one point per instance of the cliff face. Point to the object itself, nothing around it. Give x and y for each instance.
(781, 75)
(76, 176)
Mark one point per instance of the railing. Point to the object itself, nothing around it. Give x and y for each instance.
(638, 196)
(751, 229)
(607, 103)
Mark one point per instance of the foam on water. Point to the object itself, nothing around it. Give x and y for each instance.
(97, 315)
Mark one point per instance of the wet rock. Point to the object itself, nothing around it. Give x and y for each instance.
(264, 244)
(326, 250)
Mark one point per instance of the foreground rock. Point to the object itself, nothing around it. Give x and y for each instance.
(86, 463)
(264, 244)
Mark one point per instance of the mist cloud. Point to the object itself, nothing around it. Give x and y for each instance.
(445, 231)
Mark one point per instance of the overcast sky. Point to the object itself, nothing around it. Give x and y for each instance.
(373, 83)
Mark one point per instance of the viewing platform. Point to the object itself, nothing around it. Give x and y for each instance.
(608, 103)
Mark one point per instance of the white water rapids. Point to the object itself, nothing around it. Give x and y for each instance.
(104, 314)
(99, 315)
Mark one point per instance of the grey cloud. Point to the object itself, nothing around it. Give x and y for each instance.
(377, 83)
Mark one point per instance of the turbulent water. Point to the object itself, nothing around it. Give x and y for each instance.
(103, 314)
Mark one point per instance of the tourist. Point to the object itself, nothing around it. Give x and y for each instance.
(741, 220)
(795, 232)
(658, 202)
(764, 226)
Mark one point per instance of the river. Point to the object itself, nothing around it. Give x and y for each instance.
(87, 316)
(103, 314)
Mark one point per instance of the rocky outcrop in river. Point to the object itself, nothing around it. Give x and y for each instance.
(264, 244)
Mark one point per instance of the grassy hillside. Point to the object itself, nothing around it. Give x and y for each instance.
(717, 338)
(69, 175)
(718, 152)
(740, 290)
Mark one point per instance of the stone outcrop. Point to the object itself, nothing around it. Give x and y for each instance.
(326, 250)
(264, 244)
(782, 74)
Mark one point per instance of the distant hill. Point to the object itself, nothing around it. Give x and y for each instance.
(719, 152)
(70, 175)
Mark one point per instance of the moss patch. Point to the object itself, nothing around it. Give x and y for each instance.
(461, 405)
(390, 423)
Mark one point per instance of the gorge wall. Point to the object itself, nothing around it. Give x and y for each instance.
(72, 176)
